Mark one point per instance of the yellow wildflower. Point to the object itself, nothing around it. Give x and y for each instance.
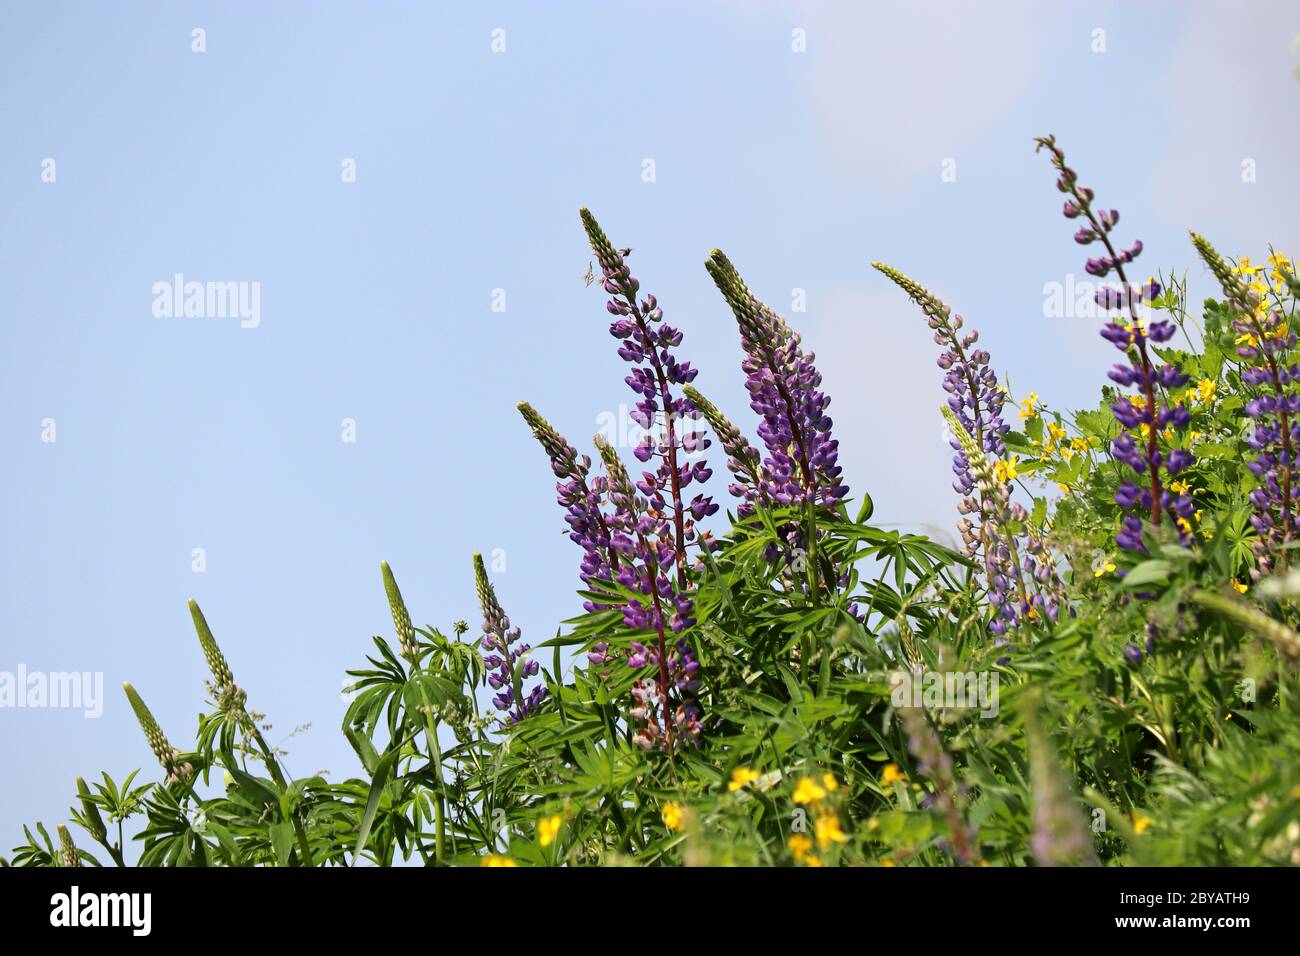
(548, 828)
(1205, 390)
(674, 816)
(891, 774)
(801, 846)
(1141, 823)
(809, 791)
(1107, 567)
(1240, 587)
(887, 862)
(829, 782)
(1029, 406)
(828, 830)
(1244, 268)
(1005, 471)
(741, 777)
(496, 859)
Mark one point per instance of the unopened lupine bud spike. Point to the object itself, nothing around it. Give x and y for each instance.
(167, 756)
(401, 619)
(90, 811)
(221, 675)
(68, 848)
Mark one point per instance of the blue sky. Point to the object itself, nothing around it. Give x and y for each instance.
(376, 295)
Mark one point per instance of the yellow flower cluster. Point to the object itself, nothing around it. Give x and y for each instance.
(1265, 287)
(548, 828)
(891, 775)
(674, 816)
(741, 777)
(1029, 406)
(827, 832)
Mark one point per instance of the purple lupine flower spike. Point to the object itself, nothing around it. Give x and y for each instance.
(1020, 574)
(664, 709)
(504, 655)
(1142, 417)
(743, 460)
(581, 500)
(647, 343)
(785, 390)
(1265, 340)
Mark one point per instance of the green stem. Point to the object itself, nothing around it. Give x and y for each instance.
(435, 754)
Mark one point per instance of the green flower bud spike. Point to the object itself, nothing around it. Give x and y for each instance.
(68, 848)
(980, 466)
(221, 675)
(487, 595)
(90, 812)
(230, 698)
(1239, 296)
(401, 619)
(168, 757)
(744, 460)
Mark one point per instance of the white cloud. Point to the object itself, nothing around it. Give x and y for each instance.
(903, 85)
(1236, 98)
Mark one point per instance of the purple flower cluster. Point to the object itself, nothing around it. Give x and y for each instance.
(580, 499)
(1016, 585)
(1143, 417)
(506, 658)
(784, 385)
(1265, 339)
(642, 537)
(646, 342)
(743, 460)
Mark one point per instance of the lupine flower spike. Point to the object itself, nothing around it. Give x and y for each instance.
(784, 387)
(664, 709)
(1142, 416)
(743, 460)
(1015, 588)
(506, 657)
(68, 849)
(1264, 341)
(580, 499)
(1059, 837)
(935, 763)
(168, 756)
(230, 698)
(647, 343)
(410, 647)
(1020, 574)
